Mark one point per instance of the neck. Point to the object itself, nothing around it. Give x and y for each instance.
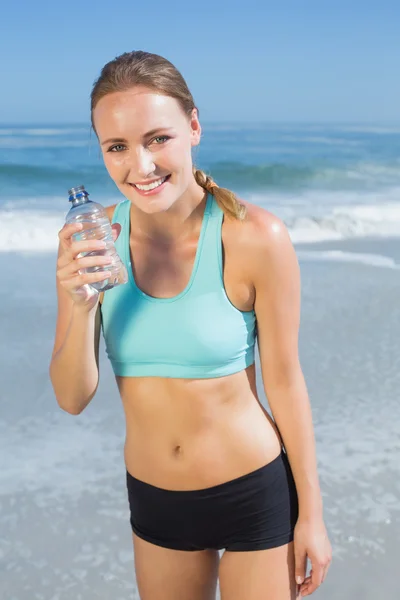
(174, 224)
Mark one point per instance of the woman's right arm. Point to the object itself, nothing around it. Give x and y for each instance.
(74, 371)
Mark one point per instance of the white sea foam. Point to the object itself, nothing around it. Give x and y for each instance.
(29, 231)
(347, 222)
(375, 260)
(317, 215)
(312, 217)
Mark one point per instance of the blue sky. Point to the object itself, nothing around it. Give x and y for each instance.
(287, 60)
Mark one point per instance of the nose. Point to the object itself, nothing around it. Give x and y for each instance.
(143, 164)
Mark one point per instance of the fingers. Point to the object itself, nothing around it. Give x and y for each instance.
(86, 246)
(78, 281)
(77, 257)
(313, 581)
(79, 264)
(301, 565)
(325, 573)
(304, 587)
(79, 247)
(68, 242)
(74, 274)
(68, 230)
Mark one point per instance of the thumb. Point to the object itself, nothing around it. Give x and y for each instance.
(300, 566)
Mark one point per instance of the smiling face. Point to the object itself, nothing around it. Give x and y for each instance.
(146, 141)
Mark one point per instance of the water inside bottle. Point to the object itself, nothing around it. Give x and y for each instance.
(96, 225)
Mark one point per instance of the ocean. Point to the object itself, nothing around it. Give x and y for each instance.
(325, 182)
(64, 521)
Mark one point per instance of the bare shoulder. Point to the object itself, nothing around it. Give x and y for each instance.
(263, 228)
(260, 237)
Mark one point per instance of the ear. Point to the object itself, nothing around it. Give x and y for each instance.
(195, 128)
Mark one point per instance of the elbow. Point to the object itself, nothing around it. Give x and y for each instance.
(70, 401)
(70, 409)
(67, 403)
(73, 406)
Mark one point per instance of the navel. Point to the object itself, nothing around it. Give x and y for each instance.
(177, 450)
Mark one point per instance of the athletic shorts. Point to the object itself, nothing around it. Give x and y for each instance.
(256, 511)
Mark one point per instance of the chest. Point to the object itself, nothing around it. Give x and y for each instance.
(162, 270)
(165, 270)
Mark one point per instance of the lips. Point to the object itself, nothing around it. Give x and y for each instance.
(152, 185)
(154, 188)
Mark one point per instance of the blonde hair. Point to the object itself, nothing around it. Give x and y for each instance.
(157, 73)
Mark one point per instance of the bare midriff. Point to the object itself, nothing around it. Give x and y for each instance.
(187, 434)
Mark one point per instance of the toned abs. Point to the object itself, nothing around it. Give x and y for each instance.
(189, 434)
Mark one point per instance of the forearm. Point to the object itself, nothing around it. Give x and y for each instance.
(290, 407)
(73, 368)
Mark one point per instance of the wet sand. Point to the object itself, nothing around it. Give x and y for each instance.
(64, 529)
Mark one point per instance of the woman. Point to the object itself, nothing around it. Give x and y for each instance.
(208, 273)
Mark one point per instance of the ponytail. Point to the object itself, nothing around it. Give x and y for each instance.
(226, 199)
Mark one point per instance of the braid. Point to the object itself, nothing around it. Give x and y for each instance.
(226, 199)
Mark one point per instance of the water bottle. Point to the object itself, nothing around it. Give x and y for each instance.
(96, 226)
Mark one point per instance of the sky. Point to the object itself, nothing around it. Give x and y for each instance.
(286, 60)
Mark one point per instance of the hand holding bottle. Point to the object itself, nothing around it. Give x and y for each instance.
(73, 263)
(95, 226)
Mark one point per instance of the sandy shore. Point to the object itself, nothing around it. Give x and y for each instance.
(64, 530)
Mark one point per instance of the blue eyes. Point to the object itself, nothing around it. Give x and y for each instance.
(115, 148)
(121, 147)
(161, 137)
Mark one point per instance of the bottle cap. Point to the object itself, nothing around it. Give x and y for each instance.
(77, 192)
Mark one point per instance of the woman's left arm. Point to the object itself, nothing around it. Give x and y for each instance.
(276, 278)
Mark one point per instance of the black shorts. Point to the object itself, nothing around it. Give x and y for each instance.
(253, 512)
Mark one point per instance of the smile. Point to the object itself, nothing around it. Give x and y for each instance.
(151, 186)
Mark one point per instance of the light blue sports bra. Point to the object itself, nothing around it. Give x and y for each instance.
(196, 334)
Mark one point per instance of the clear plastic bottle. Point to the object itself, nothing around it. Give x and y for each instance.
(96, 226)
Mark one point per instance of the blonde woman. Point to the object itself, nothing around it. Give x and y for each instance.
(209, 277)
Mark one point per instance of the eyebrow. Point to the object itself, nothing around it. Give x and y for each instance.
(146, 135)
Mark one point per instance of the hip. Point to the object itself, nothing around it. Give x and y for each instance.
(255, 511)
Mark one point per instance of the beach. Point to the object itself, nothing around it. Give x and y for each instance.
(64, 517)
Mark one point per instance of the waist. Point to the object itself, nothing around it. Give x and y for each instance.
(194, 434)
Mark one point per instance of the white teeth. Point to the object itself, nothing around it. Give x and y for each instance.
(151, 186)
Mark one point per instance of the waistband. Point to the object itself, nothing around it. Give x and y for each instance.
(266, 470)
